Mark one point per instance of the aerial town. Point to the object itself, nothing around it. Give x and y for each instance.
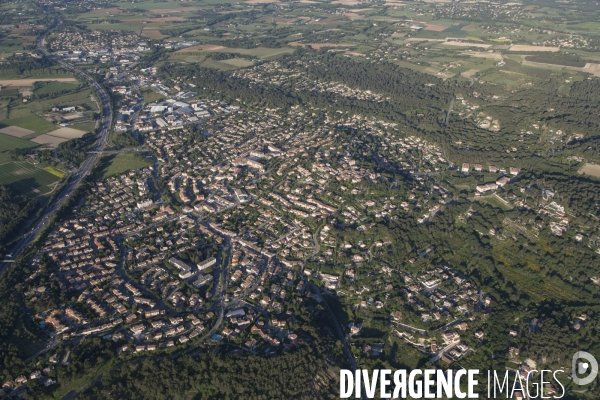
(293, 189)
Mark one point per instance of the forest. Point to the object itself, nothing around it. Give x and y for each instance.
(25, 65)
(73, 151)
(301, 374)
(566, 59)
(14, 210)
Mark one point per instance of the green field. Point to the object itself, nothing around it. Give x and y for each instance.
(86, 126)
(122, 162)
(26, 178)
(24, 117)
(8, 143)
(210, 63)
(198, 58)
(55, 87)
(260, 52)
(238, 62)
(29, 115)
(494, 201)
(201, 58)
(150, 96)
(55, 172)
(114, 27)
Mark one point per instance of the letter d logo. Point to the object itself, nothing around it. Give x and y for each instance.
(580, 367)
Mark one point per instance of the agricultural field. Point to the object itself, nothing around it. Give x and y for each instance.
(238, 62)
(67, 133)
(56, 87)
(522, 47)
(259, 52)
(58, 136)
(210, 63)
(27, 179)
(24, 116)
(8, 143)
(34, 115)
(28, 82)
(16, 131)
(85, 126)
(48, 140)
(55, 172)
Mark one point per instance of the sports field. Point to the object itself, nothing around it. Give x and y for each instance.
(26, 178)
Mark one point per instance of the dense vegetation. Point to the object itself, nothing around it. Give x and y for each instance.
(409, 93)
(408, 89)
(14, 333)
(73, 151)
(123, 139)
(568, 60)
(14, 210)
(25, 65)
(301, 374)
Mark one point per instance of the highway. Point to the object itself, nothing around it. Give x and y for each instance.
(75, 179)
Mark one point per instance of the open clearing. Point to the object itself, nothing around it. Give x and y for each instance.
(423, 40)
(590, 169)
(152, 33)
(526, 47)
(238, 62)
(318, 46)
(30, 81)
(347, 2)
(122, 162)
(435, 28)
(592, 68)
(55, 172)
(467, 44)
(56, 87)
(201, 47)
(261, 1)
(48, 140)
(158, 20)
(491, 56)
(26, 178)
(112, 10)
(16, 131)
(260, 52)
(469, 73)
(173, 10)
(470, 27)
(67, 133)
